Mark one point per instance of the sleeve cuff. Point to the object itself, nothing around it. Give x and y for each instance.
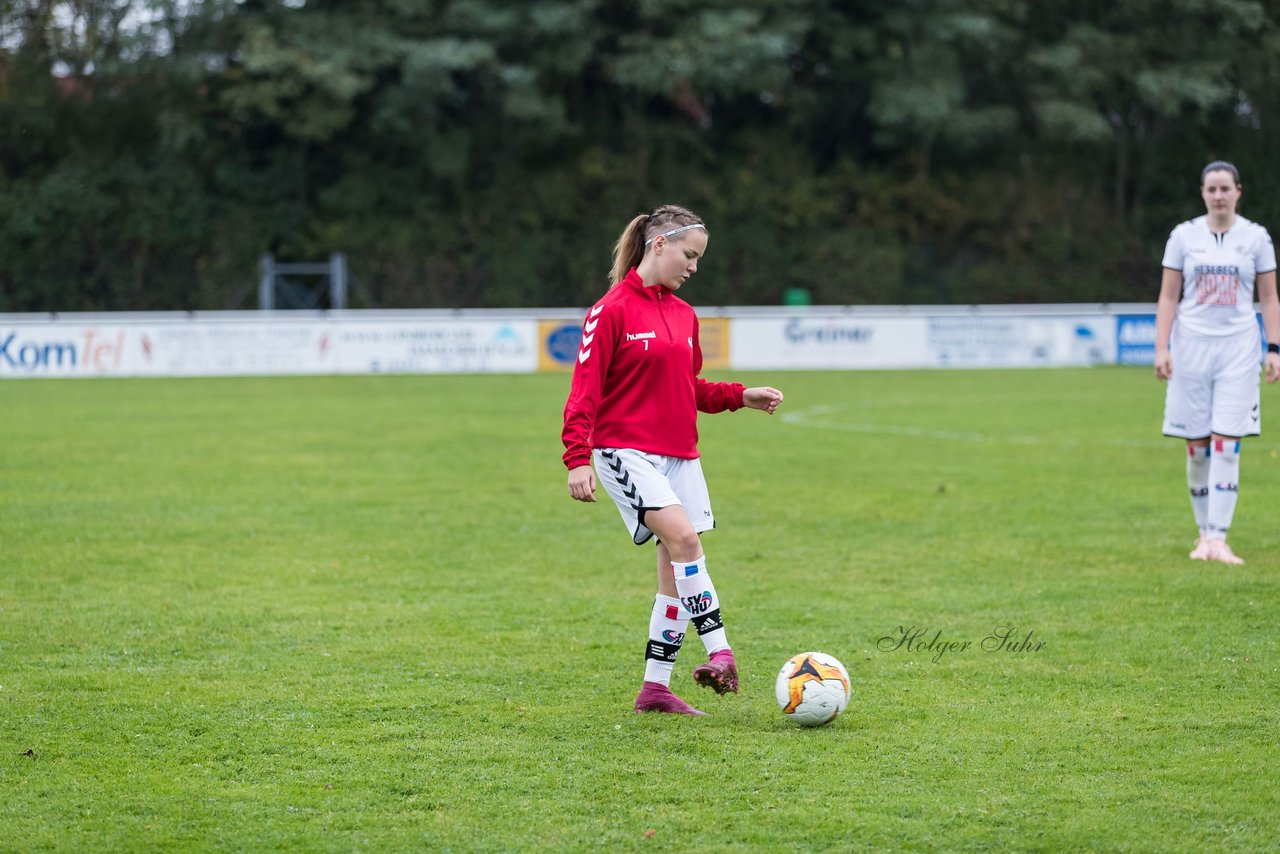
(573, 462)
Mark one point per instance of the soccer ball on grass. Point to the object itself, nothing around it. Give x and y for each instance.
(812, 688)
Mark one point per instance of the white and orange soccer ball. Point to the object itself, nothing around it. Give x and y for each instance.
(812, 688)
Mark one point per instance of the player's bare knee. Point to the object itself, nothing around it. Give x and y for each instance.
(684, 544)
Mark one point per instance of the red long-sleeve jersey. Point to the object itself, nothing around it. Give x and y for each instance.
(636, 383)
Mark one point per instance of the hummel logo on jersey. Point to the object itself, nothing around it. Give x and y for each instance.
(640, 336)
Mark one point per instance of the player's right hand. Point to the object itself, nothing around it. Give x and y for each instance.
(1164, 365)
(582, 484)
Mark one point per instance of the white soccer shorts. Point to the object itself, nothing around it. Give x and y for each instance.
(638, 482)
(1214, 387)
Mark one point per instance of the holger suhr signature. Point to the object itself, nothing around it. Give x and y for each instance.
(918, 639)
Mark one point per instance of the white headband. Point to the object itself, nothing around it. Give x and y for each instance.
(675, 231)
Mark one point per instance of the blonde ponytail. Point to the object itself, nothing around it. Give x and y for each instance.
(629, 249)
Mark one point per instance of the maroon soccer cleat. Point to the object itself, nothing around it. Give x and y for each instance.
(719, 674)
(656, 697)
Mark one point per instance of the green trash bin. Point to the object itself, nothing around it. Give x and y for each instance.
(796, 296)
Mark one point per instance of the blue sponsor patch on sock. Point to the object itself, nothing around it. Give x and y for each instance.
(691, 569)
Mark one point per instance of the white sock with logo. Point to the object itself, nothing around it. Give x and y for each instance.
(1198, 482)
(698, 595)
(667, 625)
(1224, 486)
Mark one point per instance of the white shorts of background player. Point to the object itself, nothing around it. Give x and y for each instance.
(1215, 383)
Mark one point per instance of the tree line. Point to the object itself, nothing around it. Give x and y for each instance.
(488, 152)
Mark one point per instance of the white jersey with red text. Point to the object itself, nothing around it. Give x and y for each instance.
(1218, 274)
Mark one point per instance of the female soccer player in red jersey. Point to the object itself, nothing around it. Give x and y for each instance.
(633, 408)
(1214, 265)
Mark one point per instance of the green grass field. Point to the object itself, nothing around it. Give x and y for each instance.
(362, 614)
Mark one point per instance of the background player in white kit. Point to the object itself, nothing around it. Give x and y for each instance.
(1213, 267)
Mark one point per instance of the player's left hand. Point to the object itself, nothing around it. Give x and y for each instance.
(1273, 367)
(768, 399)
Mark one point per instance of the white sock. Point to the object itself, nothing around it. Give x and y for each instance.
(1198, 481)
(667, 626)
(698, 595)
(1224, 477)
